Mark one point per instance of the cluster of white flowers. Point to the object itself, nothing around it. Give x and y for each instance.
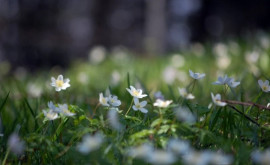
(183, 93)
(110, 101)
(178, 149)
(53, 112)
(137, 94)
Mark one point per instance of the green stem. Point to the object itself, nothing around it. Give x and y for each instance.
(6, 156)
(129, 107)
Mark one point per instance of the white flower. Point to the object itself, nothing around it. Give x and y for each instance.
(196, 75)
(226, 80)
(161, 157)
(139, 105)
(50, 115)
(114, 119)
(261, 157)
(198, 158)
(222, 80)
(64, 110)
(113, 100)
(143, 151)
(184, 94)
(217, 100)
(103, 100)
(231, 83)
(52, 107)
(268, 105)
(15, 144)
(162, 104)
(136, 93)
(264, 85)
(183, 114)
(60, 83)
(34, 90)
(90, 143)
(179, 147)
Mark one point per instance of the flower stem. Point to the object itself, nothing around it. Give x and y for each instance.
(6, 156)
(94, 112)
(129, 107)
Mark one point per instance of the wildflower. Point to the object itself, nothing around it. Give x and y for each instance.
(195, 157)
(143, 151)
(196, 76)
(219, 158)
(268, 105)
(64, 110)
(90, 143)
(162, 104)
(52, 107)
(15, 144)
(261, 157)
(184, 115)
(179, 147)
(158, 95)
(114, 119)
(60, 83)
(136, 93)
(231, 83)
(103, 100)
(34, 90)
(222, 80)
(184, 94)
(264, 85)
(161, 157)
(113, 100)
(50, 115)
(139, 105)
(217, 100)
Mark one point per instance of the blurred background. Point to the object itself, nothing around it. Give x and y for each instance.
(45, 33)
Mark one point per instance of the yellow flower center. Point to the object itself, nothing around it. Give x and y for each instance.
(103, 100)
(59, 83)
(136, 93)
(138, 106)
(264, 88)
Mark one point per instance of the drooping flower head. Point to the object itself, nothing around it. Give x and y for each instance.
(226, 81)
(60, 83)
(217, 100)
(264, 85)
(139, 105)
(196, 76)
(162, 103)
(103, 100)
(136, 93)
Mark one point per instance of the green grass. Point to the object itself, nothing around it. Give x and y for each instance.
(237, 130)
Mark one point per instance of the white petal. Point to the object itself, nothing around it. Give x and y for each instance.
(143, 110)
(135, 108)
(60, 77)
(143, 103)
(260, 83)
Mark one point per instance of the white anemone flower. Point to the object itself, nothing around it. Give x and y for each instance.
(217, 100)
(183, 93)
(60, 83)
(264, 85)
(139, 105)
(103, 100)
(261, 157)
(90, 143)
(64, 110)
(143, 151)
(136, 93)
(50, 115)
(179, 147)
(52, 107)
(15, 144)
(113, 100)
(232, 83)
(162, 104)
(196, 76)
(161, 157)
(113, 119)
(222, 80)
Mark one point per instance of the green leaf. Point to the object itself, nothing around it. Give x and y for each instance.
(4, 102)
